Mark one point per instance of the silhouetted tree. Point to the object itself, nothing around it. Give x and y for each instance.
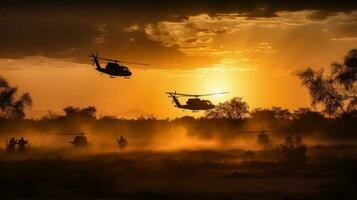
(307, 114)
(108, 117)
(281, 113)
(184, 119)
(346, 73)
(147, 117)
(10, 107)
(262, 114)
(51, 116)
(270, 114)
(80, 113)
(235, 108)
(336, 92)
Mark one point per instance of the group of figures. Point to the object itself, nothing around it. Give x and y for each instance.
(292, 151)
(13, 142)
(21, 145)
(290, 141)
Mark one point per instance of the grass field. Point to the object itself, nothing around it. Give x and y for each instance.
(232, 174)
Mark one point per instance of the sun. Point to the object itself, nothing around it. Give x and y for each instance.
(213, 80)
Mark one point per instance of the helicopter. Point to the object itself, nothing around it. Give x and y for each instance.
(79, 140)
(262, 137)
(195, 104)
(114, 67)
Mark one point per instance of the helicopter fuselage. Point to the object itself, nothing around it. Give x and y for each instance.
(194, 104)
(113, 69)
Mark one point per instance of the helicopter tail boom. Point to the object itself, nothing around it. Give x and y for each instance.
(174, 99)
(178, 104)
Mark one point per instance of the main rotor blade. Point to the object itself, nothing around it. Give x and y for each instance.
(113, 60)
(107, 59)
(134, 63)
(213, 93)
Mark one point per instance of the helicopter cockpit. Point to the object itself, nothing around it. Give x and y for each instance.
(207, 102)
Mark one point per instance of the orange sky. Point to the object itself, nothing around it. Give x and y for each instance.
(254, 58)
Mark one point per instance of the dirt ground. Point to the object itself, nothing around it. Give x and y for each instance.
(176, 175)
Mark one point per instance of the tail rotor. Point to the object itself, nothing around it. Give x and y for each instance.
(173, 96)
(94, 57)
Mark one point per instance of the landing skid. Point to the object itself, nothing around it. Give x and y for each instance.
(126, 77)
(194, 111)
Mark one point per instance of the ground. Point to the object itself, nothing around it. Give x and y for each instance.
(205, 174)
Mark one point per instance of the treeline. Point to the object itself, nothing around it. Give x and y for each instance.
(302, 121)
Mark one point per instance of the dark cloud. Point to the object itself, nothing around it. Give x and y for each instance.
(53, 39)
(71, 28)
(321, 15)
(163, 8)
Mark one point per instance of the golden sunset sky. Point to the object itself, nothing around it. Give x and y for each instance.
(249, 49)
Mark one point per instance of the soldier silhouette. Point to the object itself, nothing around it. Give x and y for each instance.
(11, 146)
(123, 143)
(22, 145)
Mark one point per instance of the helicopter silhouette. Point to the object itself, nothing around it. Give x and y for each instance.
(79, 140)
(113, 67)
(195, 104)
